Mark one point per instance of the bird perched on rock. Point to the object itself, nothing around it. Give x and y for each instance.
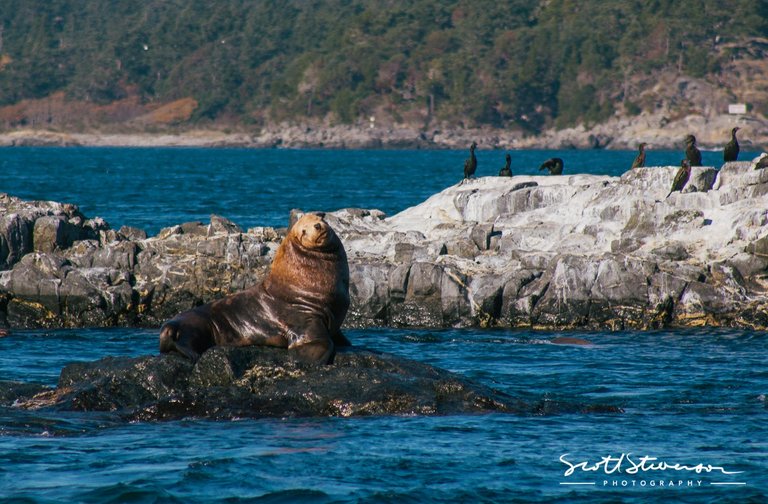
(554, 165)
(506, 171)
(681, 178)
(470, 165)
(692, 153)
(731, 150)
(640, 159)
(762, 162)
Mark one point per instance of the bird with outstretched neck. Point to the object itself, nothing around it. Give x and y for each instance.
(640, 159)
(682, 176)
(554, 165)
(731, 150)
(692, 153)
(470, 165)
(506, 171)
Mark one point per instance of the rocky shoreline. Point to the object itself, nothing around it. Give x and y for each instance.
(553, 252)
(619, 133)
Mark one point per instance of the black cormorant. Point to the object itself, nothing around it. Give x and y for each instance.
(640, 159)
(692, 153)
(554, 165)
(470, 165)
(681, 178)
(506, 171)
(731, 150)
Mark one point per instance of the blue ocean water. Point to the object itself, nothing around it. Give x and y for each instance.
(694, 397)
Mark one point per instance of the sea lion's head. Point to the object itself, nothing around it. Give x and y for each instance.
(312, 232)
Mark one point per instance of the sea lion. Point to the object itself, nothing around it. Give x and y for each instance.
(300, 305)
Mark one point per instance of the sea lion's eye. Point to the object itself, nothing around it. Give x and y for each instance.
(318, 226)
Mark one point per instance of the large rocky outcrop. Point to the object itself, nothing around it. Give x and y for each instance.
(570, 251)
(556, 251)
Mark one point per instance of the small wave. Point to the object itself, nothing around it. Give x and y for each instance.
(127, 493)
(292, 496)
(420, 337)
(14, 422)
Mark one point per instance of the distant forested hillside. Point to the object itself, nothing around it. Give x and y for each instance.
(516, 63)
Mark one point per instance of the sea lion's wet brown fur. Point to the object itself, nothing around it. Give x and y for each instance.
(300, 305)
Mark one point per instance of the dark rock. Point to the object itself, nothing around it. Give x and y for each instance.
(11, 391)
(35, 283)
(120, 256)
(398, 282)
(488, 299)
(229, 382)
(194, 228)
(369, 294)
(15, 238)
(132, 233)
(521, 294)
(462, 247)
(220, 224)
(423, 305)
(672, 251)
(167, 232)
(55, 232)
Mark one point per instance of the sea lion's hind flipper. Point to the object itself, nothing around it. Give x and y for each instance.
(170, 335)
(188, 334)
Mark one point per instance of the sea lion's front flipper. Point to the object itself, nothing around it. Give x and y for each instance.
(313, 344)
(316, 352)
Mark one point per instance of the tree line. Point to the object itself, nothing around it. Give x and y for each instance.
(516, 63)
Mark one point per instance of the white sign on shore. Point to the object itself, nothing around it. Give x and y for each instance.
(737, 108)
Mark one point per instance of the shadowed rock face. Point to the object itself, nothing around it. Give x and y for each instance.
(230, 382)
(542, 252)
